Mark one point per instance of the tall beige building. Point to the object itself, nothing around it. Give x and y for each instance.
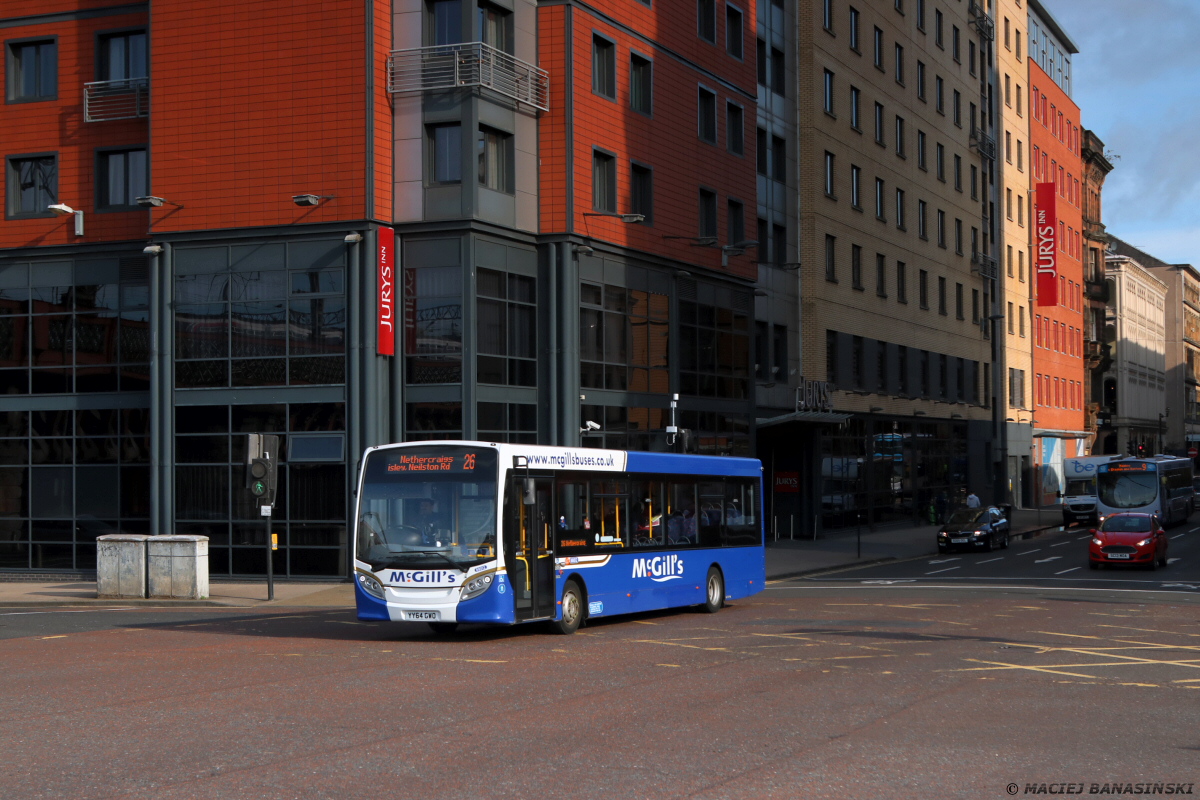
(1013, 222)
(894, 137)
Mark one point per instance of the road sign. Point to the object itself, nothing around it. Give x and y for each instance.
(1193, 452)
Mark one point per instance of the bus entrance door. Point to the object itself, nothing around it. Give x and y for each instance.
(528, 549)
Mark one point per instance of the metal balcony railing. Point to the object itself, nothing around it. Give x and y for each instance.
(982, 22)
(459, 66)
(985, 144)
(128, 98)
(984, 264)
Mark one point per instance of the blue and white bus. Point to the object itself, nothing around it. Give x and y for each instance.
(451, 532)
(1160, 485)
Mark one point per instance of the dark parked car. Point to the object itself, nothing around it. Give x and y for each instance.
(1128, 539)
(975, 529)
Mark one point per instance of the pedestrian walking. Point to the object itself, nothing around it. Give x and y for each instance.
(972, 500)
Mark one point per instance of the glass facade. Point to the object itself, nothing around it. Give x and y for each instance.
(310, 508)
(260, 315)
(878, 470)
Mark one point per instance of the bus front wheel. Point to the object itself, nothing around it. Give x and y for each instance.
(714, 591)
(572, 610)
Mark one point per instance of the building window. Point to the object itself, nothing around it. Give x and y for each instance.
(495, 160)
(506, 306)
(878, 49)
(641, 192)
(974, 182)
(957, 108)
(827, 15)
(779, 159)
(937, 29)
(900, 209)
(855, 187)
(971, 57)
(958, 236)
(942, 296)
(900, 136)
(854, 29)
(921, 162)
(855, 97)
(446, 22)
(899, 65)
(736, 222)
(901, 282)
(975, 306)
(123, 56)
(901, 370)
(121, 177)
(641, 84)
(706, 20)
(761, 152)
(856, 267)
(955, 43)
(1016, 388)
(923, 288)
(880, 275)
(762, 62)
(879, 124)
(604, 182)
(445, 144)
(958, 173)
(828, 92)
(708, 214)
(958, 301)
(733, 31)
(779, 365)
(1010, 319)
(778, 72)
(32, 184)
(922, 219)
(939, 159)
(939, 94)
(734, 129)
(831, 356)
(830, 258)
(829, 175)
(32, 70)
(707, 115)
(779, 243)
(495, 27)
(941, 228)
(879, 210)
(921, 81)
(604, 67)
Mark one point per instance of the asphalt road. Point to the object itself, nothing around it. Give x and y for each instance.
(1051, 558)
(808, 690)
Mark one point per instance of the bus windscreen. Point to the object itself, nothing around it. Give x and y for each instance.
(1127, 489)
(428, 508)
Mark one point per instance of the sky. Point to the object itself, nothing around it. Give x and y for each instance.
(1137, 82)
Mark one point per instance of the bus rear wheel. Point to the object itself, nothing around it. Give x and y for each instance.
(572, 610)
(714, 591)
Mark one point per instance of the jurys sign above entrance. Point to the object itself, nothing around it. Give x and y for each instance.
(814, 396)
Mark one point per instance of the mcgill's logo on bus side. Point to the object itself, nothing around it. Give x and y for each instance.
(658, 568)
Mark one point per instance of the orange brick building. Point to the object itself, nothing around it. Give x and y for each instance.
(1059, 387)
(562, 195)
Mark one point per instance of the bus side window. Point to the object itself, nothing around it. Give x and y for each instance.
(648, 513)
(712, 512)
(610, 513)
(573, 529)
(681, 513)
(741, 513)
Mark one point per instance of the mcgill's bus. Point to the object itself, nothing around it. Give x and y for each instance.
(1160, 485)
(451, 532)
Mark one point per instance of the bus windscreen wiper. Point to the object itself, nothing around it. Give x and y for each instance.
(457, 565)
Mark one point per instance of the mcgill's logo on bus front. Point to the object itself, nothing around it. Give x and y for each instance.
(427, 577)
(658, 568)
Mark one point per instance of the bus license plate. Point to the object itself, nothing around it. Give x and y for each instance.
(424, 616)
(958, 541)
(1118, 555)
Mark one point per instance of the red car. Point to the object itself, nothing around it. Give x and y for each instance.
(1128, 539)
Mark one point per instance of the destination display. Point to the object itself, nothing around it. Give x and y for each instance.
(440, 461)
(1121, 466)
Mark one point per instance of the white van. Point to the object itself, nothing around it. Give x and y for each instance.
(1079, 493)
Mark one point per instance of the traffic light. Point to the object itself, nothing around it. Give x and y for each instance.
(262, 466)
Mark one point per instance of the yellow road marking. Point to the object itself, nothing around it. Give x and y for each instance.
(59, 636)
(998, 665)
(1149, 630)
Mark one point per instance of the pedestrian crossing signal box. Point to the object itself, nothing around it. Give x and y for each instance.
(262, 467)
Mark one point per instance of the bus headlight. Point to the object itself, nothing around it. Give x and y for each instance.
(371, 586)
(476, 586)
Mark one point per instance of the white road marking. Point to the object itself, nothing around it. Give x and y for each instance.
(990, 560)
(1027, 552)
(1172, 560)
(1059, 544)
(1081, 538)
(936, 571)
(1065, 571)
(943, 560)
(1193, 530)
(1044, 560)
(1176, 536)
